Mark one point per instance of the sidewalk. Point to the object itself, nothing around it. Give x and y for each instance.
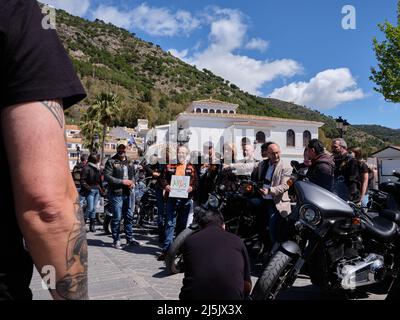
(137, 275)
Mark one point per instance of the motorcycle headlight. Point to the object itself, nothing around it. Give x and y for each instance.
(310, 215)
(212, 202)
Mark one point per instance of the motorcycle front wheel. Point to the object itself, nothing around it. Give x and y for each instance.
(173, 259)
(273, 277)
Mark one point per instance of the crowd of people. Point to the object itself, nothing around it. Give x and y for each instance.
(342, 172)
(43, 223)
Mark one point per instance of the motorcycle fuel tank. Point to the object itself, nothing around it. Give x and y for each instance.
(329, 204)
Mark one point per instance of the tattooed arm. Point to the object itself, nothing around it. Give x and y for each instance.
(46, 200)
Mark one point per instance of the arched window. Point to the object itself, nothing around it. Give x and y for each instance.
(198, 110)
(205, 110)
(231, 111)
(225, 111)
(212, 111)
(306, 138)
(260, 137)
(290, 138)
(218, 111)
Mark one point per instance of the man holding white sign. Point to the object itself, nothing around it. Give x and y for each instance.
(179, 182)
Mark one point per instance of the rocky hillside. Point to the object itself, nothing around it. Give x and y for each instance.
(391, 136)
(154, 84)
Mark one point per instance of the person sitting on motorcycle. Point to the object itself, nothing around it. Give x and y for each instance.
(227, 175)
(216, 261)
(246, 165)
(322, 166)
(275, 191)
(210, 167)
(177, 208)
(346, 172)
(259, 204)
(154, 169)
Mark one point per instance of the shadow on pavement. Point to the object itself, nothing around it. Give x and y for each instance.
(162, 274)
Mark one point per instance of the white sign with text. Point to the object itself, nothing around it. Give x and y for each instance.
(179, 186)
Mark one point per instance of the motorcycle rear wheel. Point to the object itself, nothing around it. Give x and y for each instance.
(273, 277)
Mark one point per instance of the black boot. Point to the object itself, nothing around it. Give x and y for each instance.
(92, 225)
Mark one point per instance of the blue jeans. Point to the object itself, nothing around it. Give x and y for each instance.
(121, 207)
(160, 210)
(177, 214)
(91, 203)
(278, 228)
(260, 207)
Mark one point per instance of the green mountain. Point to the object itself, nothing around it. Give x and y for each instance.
(155, 85)
(390, 136)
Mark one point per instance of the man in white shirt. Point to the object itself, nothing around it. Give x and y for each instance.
(275, 191)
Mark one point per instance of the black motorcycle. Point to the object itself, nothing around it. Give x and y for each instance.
(238, 219)
(146, 201)
(341, 247)
(387, 196)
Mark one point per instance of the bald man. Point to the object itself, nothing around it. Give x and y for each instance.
(275, 192)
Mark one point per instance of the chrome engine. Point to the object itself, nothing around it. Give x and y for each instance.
(361, 272)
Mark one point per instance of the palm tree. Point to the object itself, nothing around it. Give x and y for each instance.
(89, 129)
(105, 110)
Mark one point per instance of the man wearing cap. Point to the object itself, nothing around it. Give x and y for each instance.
(119, 172)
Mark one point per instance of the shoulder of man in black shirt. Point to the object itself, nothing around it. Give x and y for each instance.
(34, 64)
(208, 254)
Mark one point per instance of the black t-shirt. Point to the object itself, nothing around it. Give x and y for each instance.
(33, 61)
(216, 266)
(33, 67)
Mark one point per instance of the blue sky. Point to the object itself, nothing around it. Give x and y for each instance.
(291, 50)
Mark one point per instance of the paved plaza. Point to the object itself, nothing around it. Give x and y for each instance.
(135, 274)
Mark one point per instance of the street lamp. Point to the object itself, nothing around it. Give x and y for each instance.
(342, 126)
(183, 135)
(96, 140)
(78, 153)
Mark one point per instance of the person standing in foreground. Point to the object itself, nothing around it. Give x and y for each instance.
(119, 172)
(216, 262)
(38, 82)
(178, 209)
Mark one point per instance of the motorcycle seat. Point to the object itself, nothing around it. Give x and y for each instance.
(381, 228)
(392, 215)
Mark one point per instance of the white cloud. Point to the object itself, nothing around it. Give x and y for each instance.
(152, 20)
(75, 7)
(257, 44)
(179, 54)
(113, 15)
(326, 90)
(228, 31)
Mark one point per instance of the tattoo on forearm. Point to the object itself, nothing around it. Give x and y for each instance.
(56, 109)
(74, 284)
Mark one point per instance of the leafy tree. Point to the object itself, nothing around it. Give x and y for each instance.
(387, 75)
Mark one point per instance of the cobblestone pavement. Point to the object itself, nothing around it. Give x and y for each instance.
(135, 274)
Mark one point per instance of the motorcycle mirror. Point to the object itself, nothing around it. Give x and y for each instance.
(221, 189)
(295, 164)
(396, 174)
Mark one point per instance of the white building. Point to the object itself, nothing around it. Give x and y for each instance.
(387, 160)
(74, 144)
(217, 121)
